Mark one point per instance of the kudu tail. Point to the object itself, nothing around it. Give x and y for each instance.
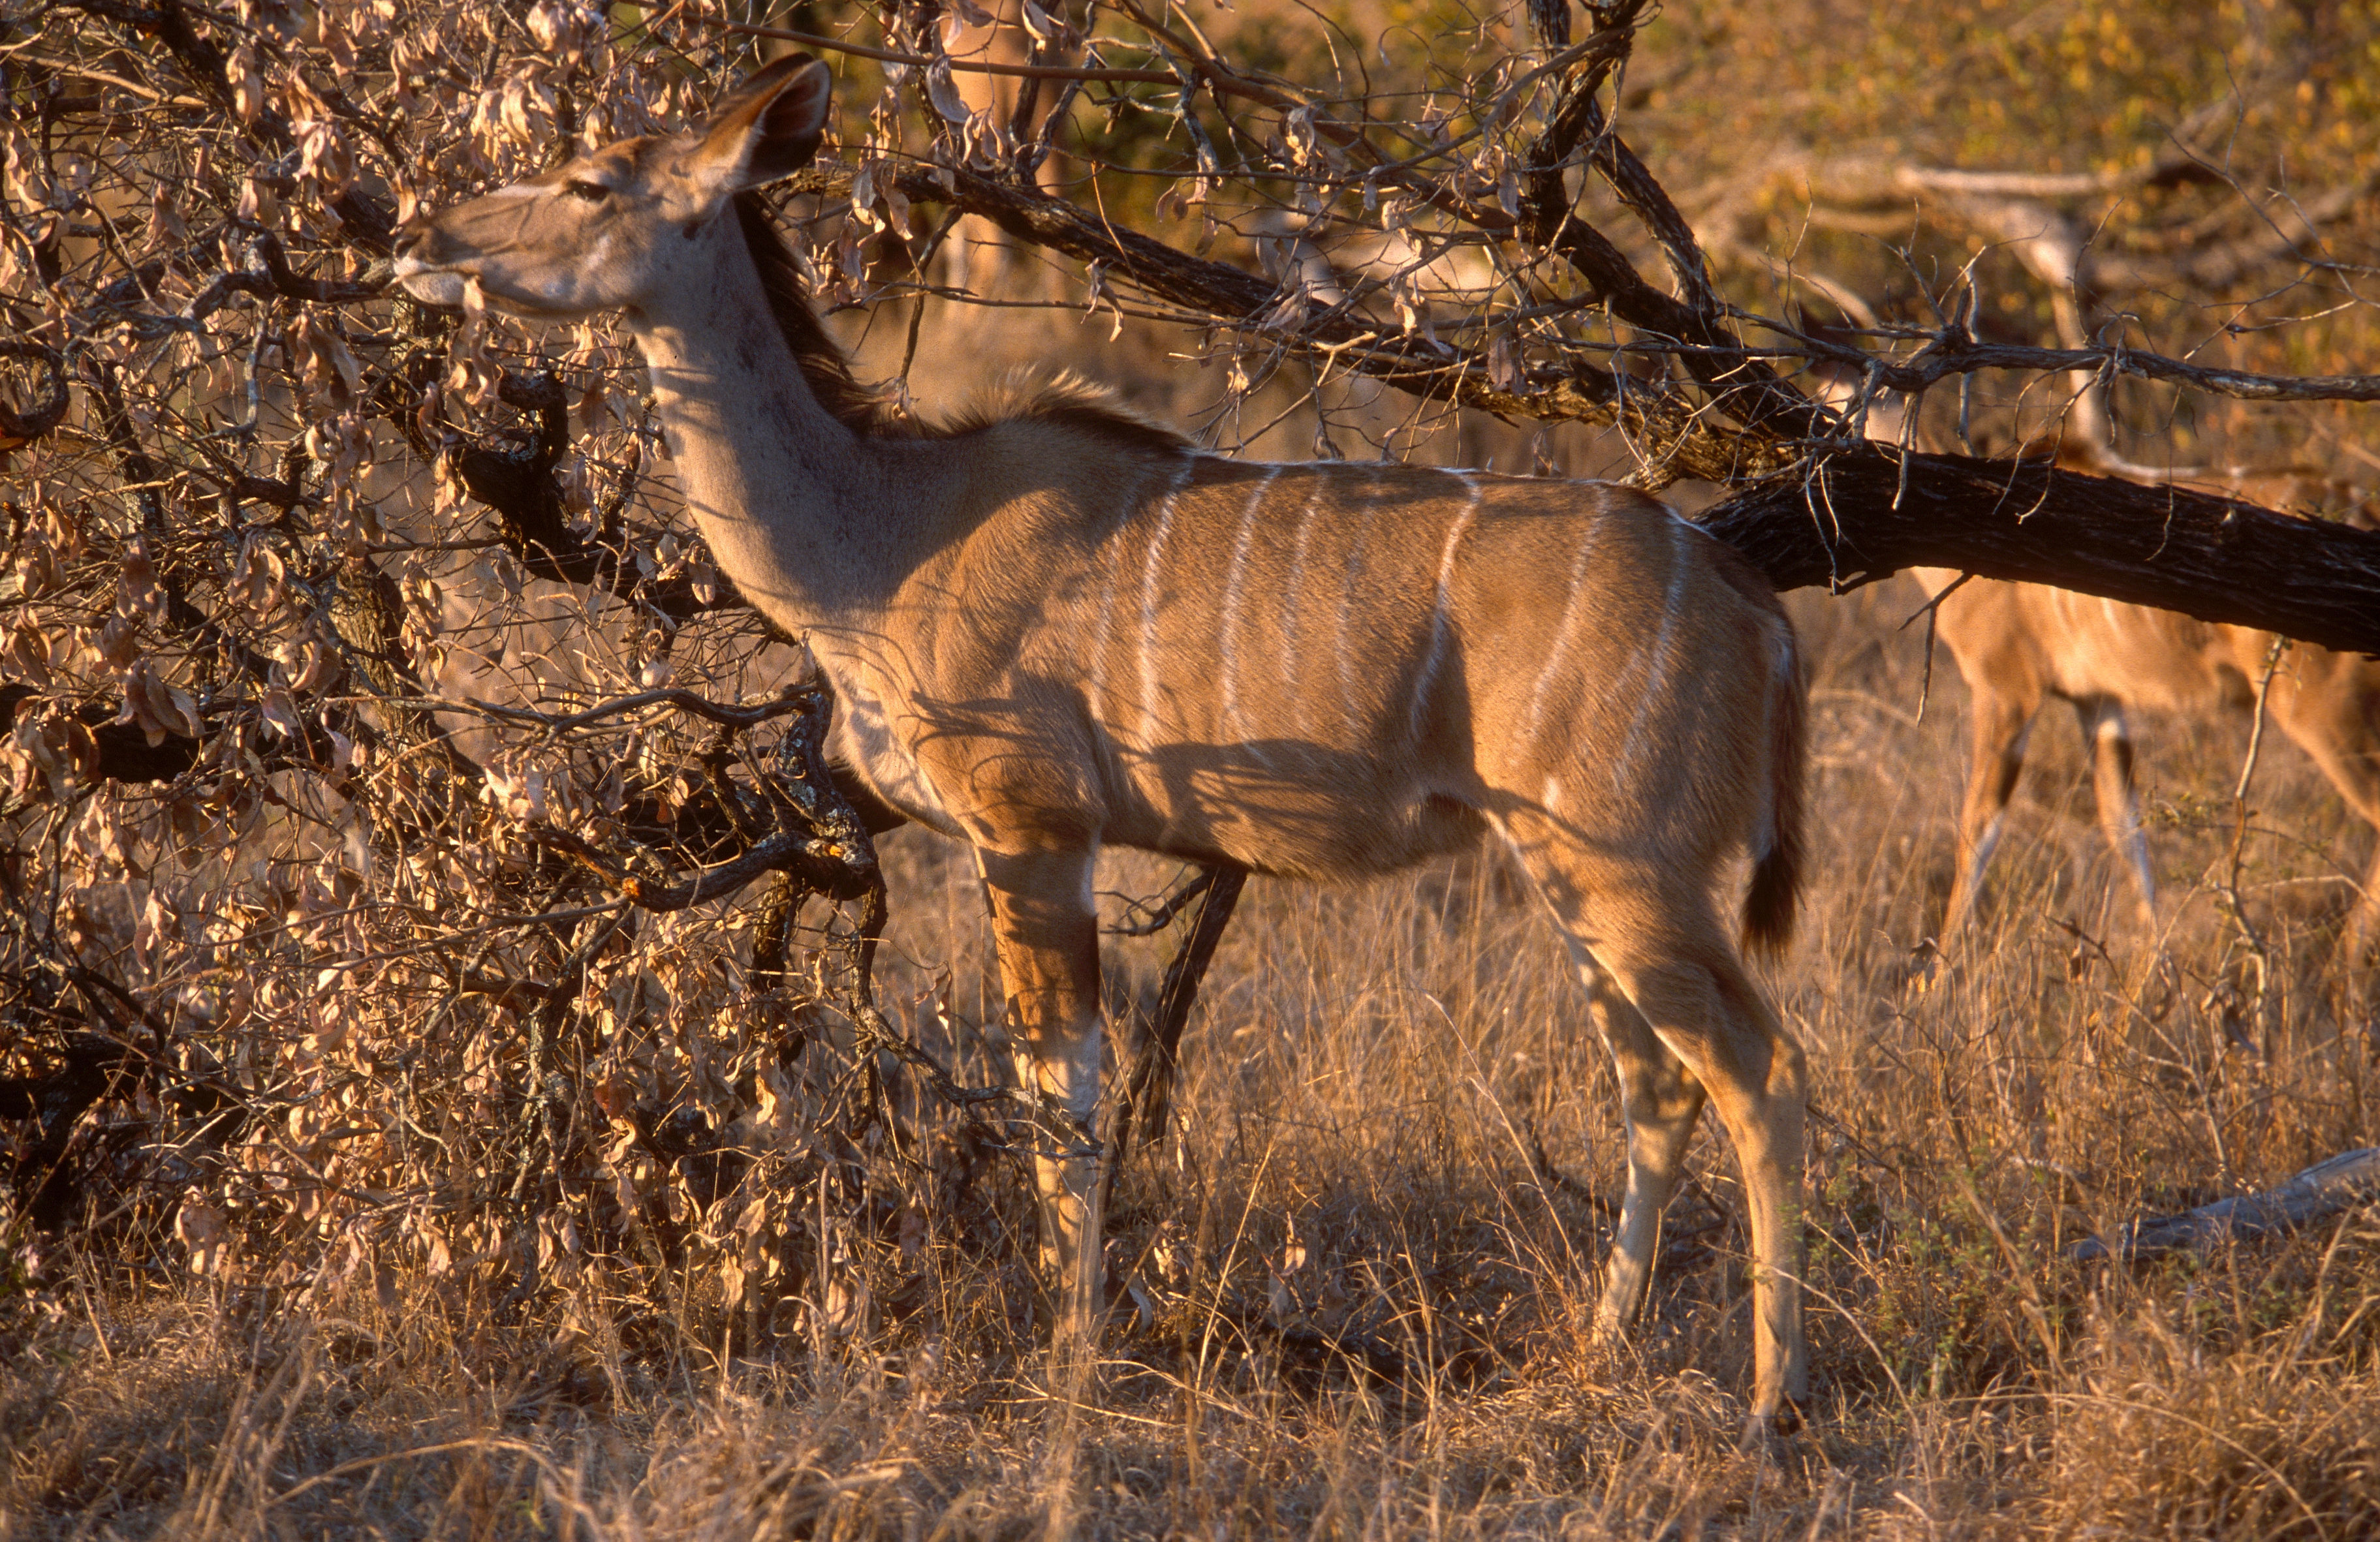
(1776, 867)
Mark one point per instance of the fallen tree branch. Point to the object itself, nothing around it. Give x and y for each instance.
(2326, 1189)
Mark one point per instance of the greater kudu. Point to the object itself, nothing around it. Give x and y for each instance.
(1052, 627)
(2017, 644)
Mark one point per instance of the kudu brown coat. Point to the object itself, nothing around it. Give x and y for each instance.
(1052, 627)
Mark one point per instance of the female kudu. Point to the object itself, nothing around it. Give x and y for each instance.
(1054, 627)
(2017, 644)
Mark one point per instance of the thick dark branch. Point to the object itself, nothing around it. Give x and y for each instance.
(805, 857)
(1859, 515)
(686, 702)
(517, 482)
(1744, 388)
(47, 409)
(819, 839)
(273, 276)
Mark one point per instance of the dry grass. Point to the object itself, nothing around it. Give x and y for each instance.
(1351, 1298)
(1351, 1279)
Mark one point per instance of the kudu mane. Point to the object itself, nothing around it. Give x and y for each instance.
(1064, 400)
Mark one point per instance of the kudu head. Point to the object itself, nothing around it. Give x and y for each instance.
(627, 225)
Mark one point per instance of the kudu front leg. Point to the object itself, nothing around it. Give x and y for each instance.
(1047, 932)
(2001, 726)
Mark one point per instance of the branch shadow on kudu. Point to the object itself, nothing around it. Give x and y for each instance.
(1053, 627)
(1276, 807)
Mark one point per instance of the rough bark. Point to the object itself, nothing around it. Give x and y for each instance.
(1860, 515)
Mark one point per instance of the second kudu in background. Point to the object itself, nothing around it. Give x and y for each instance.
(2019, 644)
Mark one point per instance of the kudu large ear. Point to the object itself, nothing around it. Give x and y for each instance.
(768, 127)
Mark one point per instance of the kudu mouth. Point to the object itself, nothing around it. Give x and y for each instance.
(417, 273)
(443, 278)
(432, 286)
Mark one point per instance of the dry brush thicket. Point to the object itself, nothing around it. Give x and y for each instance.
(394, 1140)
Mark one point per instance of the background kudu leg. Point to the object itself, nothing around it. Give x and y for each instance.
(2001, 726)
(2319, 702)
(2117, 794)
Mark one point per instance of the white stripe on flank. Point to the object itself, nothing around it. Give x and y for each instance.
(1148, 609)
(1095, 677)
(1350, 725)
(1442, 598)
(1561, 636)
(1656, 674)
(1230, 631)
(1094, 688)
(1293, 591)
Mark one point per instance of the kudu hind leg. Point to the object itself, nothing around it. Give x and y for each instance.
(1661, 1100)
(1692, 991)
(1047, 932)
(1684, 985)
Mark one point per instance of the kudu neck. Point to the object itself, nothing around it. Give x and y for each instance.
(795, 504)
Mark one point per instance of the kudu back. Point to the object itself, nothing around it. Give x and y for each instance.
(1053, 627)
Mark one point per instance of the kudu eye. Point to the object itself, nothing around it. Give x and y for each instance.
(589, 192)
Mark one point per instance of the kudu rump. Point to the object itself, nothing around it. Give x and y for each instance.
(1053, 627)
